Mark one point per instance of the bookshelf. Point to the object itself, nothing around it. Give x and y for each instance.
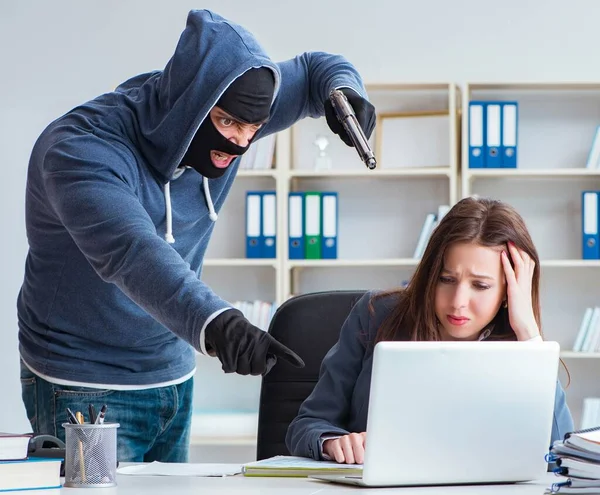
(369, 202)
(375, 242)
(557, 122)
(524, 173)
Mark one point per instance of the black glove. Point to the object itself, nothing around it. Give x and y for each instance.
(243, 348)
(365, 114)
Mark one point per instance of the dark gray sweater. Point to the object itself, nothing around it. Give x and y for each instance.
(338, 405)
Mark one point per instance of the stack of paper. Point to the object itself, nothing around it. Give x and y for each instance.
(298, 467)
(578, 459)
(180, 469)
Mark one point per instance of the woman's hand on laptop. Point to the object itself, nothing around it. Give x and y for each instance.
(518, 292)
(348, 449)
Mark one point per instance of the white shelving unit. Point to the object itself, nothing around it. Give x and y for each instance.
(556, 127)
(226, 405)
(385, 206)
(381, 213)
(579, 355)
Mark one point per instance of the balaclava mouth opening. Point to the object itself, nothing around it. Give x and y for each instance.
(247, 99)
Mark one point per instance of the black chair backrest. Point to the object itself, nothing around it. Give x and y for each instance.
(310, 325)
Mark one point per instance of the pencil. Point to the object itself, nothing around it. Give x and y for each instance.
(82, 462)
(81, 420)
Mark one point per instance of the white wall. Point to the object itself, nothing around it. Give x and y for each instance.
(56, 54)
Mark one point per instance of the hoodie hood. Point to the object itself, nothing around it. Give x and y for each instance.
(170, 105)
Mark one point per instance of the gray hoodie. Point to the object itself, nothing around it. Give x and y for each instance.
(106, 299)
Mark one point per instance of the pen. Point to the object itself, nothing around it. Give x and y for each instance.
(92, 412)
(71, 417)
(101, 414)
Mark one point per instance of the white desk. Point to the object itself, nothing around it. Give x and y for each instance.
(240, 485)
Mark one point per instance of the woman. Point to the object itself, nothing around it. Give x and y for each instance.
(478, 280)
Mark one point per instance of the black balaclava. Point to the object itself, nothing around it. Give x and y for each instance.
(248, 99)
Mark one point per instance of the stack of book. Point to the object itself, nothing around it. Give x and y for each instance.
(590, 415)
(259, 313)
(588, 337)
(20, 473)
(432, 220)
(577, 459)
(260, 155)
(593, 159)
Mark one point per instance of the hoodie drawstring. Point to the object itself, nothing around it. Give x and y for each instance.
(169, 233)
(212, 214)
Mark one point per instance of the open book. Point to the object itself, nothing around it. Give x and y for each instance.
(298, 466)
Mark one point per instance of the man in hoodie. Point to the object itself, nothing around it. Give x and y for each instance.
(122, 195)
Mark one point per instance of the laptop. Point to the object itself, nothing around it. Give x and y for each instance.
(444, 413)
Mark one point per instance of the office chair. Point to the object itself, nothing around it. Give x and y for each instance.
(310, 325)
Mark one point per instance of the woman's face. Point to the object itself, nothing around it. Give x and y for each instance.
(470, 290)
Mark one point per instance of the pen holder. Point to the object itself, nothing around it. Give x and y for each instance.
(90, 455)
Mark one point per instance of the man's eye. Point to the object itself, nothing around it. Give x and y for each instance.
(226, 122)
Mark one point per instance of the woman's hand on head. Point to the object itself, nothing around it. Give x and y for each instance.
(518, 292)
(349, 449)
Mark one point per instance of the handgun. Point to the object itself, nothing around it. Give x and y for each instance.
(347, 118)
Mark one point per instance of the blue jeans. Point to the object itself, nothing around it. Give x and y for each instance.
(154, 423)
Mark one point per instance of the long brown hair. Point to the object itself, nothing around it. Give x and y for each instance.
(482, 221)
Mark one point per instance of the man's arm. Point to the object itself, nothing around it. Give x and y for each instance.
(91, 186)
(306, 82)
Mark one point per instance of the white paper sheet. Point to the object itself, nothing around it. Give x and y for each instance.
(180, 469)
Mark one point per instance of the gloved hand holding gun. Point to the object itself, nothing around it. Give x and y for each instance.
(353, 118)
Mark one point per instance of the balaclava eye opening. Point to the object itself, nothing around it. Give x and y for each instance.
(247, 99)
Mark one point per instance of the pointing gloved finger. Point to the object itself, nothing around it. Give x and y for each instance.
(276, 348)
